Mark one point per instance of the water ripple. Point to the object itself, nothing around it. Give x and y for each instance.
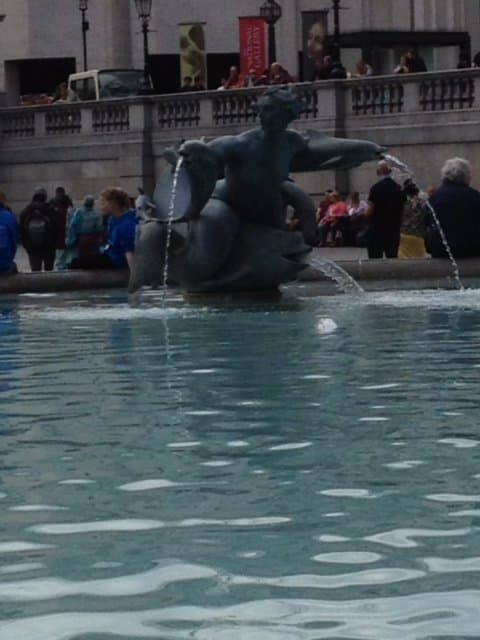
(443, 615)
(121, 586)
(403, 538)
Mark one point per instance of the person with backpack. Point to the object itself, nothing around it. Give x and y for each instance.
(8, 237)
(38, 232)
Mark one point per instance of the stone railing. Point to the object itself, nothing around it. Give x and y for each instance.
(443, 91)
(212, 111)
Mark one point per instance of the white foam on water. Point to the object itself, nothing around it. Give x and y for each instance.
(460, 443)
(184, 445)
(24, 567)
(335, 514)
(77, 481)
(326, 326)
(20, 547)
(127, 524)
(38, 507)
(452, 497)
(107, 565)
(405, 538)
(374, 419)
(375, 387)
(405, 464)
(203, 412)
(466, 513)
(331, 538)
(216, 463)
(291, 446)
(363, 494)
(148, 485)
(348, 557)
(315, 376)
(97, 314)
(427, 299)
(249, 555)
(203, 371)
(237, 444)
(235, 522)
(38, 295)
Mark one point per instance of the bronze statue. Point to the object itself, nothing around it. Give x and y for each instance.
(229, 233)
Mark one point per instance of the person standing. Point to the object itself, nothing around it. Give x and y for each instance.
(63, 208)
(384, 214)
(38, 231)
(85, 231)
(8, 237)
(118, 253)
(414, 62)
(457, 206)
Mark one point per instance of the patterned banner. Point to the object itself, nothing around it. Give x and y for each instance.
(193, 62)
(253, 54)
(315, 31)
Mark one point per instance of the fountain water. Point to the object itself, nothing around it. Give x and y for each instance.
(406, 171)
(342, 278)
(171, 213)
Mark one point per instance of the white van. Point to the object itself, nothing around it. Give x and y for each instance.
(107, 83)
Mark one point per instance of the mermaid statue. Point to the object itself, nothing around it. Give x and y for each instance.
(228, 229)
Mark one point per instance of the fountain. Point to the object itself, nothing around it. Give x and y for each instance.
(226, 229)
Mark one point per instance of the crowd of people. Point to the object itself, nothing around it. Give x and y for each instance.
(398, 221)
(394, 220)
(57, 235)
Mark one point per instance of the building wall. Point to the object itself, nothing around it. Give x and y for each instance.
(51, 28)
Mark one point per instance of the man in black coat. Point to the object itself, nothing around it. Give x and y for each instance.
(385, 205)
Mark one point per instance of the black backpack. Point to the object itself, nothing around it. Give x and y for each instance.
(38, 229)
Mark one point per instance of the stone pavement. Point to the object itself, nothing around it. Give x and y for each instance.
(331, 253)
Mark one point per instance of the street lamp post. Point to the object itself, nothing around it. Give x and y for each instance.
(338, 70)
(144, 10)
(83, 6)
(271, 12)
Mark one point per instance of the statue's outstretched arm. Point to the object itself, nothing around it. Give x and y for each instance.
(324, 152)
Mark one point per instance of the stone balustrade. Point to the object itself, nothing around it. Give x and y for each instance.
(87, 145)
(209, 110)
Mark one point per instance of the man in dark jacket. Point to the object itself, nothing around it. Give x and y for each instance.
(415, 63)
(384, 214)
(457, 207)
(38, 232)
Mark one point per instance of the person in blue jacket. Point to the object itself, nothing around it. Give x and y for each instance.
(118, 251)
(8, 237)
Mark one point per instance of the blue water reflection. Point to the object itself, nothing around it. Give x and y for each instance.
(295, 468)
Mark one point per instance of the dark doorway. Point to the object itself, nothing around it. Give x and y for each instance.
(218, 65)
(42, 76)
(165, 70)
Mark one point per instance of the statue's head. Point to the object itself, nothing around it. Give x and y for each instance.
(278, 106)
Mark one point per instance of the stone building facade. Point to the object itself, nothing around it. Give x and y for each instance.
(41, 40)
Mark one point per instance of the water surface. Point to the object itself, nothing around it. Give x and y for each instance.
(303, 468)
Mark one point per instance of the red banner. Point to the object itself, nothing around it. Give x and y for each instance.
(253, 48)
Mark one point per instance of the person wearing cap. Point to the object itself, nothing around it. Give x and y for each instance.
(85, 231)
